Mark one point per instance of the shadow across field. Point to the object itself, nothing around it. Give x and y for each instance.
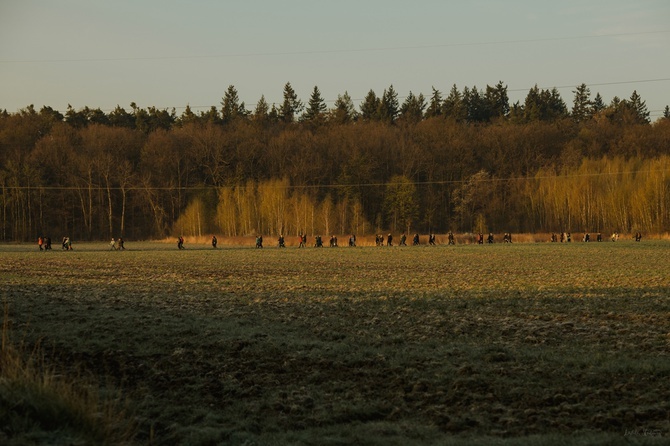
(211, 351)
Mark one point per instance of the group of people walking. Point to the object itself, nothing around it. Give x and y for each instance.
(44, 243)
(380, 240)
(566, 237)
(489, 239)
(117, 244)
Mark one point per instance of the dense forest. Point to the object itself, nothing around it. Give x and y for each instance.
(466, 161)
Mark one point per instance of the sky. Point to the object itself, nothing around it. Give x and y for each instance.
(169, 54)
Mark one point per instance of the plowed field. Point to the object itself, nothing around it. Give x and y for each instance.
(497, 344)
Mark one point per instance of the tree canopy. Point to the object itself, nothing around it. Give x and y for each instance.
(459, 161)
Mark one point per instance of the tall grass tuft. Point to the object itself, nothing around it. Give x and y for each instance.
(40, 406)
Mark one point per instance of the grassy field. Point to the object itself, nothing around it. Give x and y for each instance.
(497, 344)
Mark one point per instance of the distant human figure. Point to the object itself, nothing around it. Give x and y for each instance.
(303, 240)
(352, 240)
(415, 240)
(638, 236)
(379, 240)
(280, 241)
(67, 244)
(599, 237)
(587, 237)
(554, 238)
(480, 239)
(431, 239)
(389, 240)
(318, 243)
(507, 238)
(47, 243)
(120, 243)
(562, 237)
(403, 240)
(615, 237)
(450, 237)
(489, 239)
(569, 237)
(112, 244)
(214, 241)
(259, 241)
(40, 242)
(333, 241)
(180, 242)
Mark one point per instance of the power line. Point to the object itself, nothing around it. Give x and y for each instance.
(336, 186)
(599, 84)
(335, 51)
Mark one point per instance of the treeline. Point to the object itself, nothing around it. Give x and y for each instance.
(468, 161)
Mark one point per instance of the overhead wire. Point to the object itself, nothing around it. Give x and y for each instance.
(371, 49)
(491, 179)
(334, 51)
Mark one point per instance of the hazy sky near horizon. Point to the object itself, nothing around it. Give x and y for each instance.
(168, 53)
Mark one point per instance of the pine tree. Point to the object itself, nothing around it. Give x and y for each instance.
(344, 110)
(212, 115)
(262, 110)
(52, 116)
(435, 105)
(370, 107)
(187, 116)
(581, 104)
(544, 105)
(497, 101)
(291, 105)
(119, 117)
(316, 108)
(76, 119)
(231, 108)
(162, 119)
(389, 107)
(453, 106)
(639, 108)
(666, 112)
(597, 105)
(274, 114)
(96, 116)
(557, 107)
(516, 113)
(476, 105)
(412, 109)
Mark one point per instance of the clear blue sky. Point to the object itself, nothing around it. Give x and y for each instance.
(171, 53)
